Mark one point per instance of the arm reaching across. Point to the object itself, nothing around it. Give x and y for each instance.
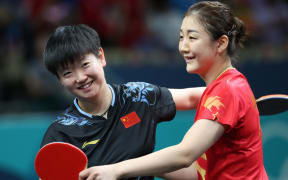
(187, 98)
(189, 173)
(166, 160)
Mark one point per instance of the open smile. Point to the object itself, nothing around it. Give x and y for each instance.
(189, 58)
(85, 86)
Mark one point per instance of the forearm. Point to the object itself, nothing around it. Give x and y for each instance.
(155, 163)
(189, 173)
(165, 160)
(175, 157)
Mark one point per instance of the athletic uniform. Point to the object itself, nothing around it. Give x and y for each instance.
(238, 154)
(129, 130)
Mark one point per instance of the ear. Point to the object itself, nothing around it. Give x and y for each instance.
(222, 44)
(101, 57)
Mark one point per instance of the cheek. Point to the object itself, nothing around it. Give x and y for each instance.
(206, 49)
(67, 83)
(179, 46)
(99, 73)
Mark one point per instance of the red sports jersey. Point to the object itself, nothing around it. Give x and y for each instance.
(238, 154)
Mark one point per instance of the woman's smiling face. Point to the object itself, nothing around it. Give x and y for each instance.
(196, 46)
(83, 78)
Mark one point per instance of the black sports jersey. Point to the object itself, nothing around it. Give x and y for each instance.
(129, 130)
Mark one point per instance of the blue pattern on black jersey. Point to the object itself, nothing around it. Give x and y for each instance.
(139, 92)
(69, 120)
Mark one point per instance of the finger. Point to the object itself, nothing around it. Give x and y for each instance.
(91, 177)
(84, 174)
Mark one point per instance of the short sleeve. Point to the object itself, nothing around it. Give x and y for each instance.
(158, 99)
(52, 135)
(222, 104)
(165, 108)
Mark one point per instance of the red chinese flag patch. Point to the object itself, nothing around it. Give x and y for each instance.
(130, 119)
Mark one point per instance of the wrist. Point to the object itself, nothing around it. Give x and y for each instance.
(117, 170)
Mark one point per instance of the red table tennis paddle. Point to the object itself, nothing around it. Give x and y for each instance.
(272, 104)
(60, 161)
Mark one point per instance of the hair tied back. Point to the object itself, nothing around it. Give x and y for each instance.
(232, 31)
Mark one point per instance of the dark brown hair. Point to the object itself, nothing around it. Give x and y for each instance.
(68, 44)
(218, 19)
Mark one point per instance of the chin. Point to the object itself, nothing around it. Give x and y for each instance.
(191, 69)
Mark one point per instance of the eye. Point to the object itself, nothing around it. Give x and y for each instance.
(85, 64)
(181, 37)
(192, 38)
(66, 74)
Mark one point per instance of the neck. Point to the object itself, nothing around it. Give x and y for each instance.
(100, 104)
(216, 71)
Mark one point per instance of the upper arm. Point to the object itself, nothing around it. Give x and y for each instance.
(200, 137)
(187, 98)
(53, 134)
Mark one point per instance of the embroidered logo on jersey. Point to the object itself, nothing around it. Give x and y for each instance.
(213, 101)
(69, 120)
(204, 156)
(90, 142)
(130, 119)
(200, 169)
(139, 92)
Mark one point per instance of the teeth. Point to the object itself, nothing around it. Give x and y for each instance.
(85, 86)
(189, 58)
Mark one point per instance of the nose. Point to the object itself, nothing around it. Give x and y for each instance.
(183, 46)
(80, 77)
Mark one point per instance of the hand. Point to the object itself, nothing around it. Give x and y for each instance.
(98, 173)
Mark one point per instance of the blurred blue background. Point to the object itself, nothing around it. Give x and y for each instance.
(22, 134)
(140, 40)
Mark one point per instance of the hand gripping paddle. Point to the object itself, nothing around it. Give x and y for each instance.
(272, 104)
(60, 161)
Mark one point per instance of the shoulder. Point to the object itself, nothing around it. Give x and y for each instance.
(132, 88)
(139, 92)
(69, 117)
(230, 81)
(142, 92)
(231, 87)
(136, 89)
(138, 86)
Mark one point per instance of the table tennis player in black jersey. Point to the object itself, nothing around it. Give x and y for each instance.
(108, 122)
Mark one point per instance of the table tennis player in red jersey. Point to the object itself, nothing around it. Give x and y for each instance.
(224, 143)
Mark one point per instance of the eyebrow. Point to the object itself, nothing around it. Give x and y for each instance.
(190, 31)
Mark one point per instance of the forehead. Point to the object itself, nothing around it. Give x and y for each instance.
(76, 61)
(191, 24)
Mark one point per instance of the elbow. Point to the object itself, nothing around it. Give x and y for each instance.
(186, 163)
(186, 157)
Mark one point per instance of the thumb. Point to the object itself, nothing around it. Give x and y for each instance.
(84, 174)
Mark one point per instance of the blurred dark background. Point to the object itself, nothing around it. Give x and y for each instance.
(140, 41)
